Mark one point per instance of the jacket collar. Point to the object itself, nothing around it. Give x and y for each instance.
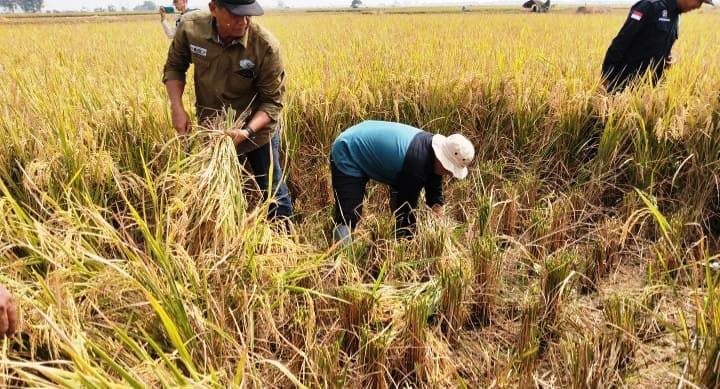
(671, 6)
(212, 34)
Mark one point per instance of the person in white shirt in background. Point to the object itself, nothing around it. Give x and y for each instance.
(169, 25)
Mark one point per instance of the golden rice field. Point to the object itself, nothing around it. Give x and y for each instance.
(575, 255)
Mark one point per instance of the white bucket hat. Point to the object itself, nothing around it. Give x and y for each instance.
(455, 153)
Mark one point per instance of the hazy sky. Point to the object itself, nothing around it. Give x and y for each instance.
(91, 4)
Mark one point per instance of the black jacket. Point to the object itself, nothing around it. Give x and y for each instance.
(644, 43)
(418, 172)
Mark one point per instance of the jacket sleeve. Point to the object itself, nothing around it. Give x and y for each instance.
(179, 57)
(271, 84)
(434, 191)
(639, 15)
(675, 37)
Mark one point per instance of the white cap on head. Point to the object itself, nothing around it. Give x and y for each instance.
(454, 152)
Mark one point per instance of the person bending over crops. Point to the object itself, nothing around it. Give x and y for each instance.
(404, 157)
(8, 313)
(237, 65)
(645, 42)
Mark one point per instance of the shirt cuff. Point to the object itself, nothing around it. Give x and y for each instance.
(273, 110)
(173, 75)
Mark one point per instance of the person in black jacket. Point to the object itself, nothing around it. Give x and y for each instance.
(645, 42)
(406, 158)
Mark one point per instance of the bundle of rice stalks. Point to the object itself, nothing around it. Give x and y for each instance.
(556, 284)
(358, 310)
(601, 359)
(561, 216)
(602, 255)
(604, 357)
(703, 360)
(456, 284)
(505, 214)
(591, 362)
(432, 238)
(328, 361)
(527, 345)
(669, 261)
(207, 208)
(386, 302)
(623, 322)
(484, 255)
(381, 227)
(540, 224)
(681, 253)
(374, 356)
(636, 315)
(414, 338)
(622, 315)
(380, 245)
(389, 328)
(483, 213)
(542, 309)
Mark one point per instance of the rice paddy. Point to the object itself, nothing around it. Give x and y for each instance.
(577, 253)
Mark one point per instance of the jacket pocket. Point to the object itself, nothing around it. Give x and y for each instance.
(240, 86)
(663, 25)
(200, 63)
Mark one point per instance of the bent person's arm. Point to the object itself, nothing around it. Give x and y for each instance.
(434, 192)
(271, 91)
(8, 313)
(180, 117)
(169, 29)
(174, 73)
(260, 119)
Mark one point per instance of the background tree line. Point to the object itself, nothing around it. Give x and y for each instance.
(24, 5)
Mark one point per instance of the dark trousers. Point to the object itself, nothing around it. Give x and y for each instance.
(261, 160)
(403, 204)
(630, 77)
(349, 193)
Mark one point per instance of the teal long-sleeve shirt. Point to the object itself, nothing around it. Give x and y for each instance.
(374, 149)
(391, 153)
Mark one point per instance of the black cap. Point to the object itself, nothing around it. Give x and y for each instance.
(242, 7)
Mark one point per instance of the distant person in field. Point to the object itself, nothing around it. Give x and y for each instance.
(645, 42)
(8, 313)
(238, 65)
(170, 26)
(404, 157)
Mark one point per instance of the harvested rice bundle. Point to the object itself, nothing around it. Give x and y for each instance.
(207, 205)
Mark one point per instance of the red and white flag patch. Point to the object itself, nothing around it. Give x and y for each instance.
(636, 15)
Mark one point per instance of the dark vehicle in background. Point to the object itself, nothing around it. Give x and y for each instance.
(537, 5)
